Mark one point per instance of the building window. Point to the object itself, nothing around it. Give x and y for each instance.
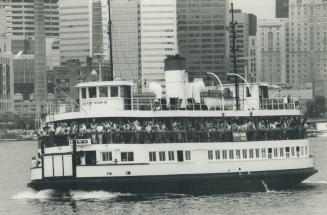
(171, 155)
(210, 155)
(114, 91)
(162, 156)
(92, 92)
(187, 155)
(103, 92)
(152, 156)
(217, 153)
(127, 156)
(106, 156)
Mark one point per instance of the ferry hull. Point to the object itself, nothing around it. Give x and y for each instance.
(195, 183)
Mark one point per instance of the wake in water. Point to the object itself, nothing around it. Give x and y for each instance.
(75, 195)
(315, 182)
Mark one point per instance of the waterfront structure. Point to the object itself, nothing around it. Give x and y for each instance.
(307, 45)
(126, 39)
(203, 37)
(158, 38)
(271, 51)
(83, 29)
(245, 30)
(281, 10)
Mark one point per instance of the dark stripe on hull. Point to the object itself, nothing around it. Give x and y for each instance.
(197, 183)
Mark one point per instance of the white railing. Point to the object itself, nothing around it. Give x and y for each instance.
(206, 104)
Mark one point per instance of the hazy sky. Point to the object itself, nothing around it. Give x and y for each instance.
(263, 9)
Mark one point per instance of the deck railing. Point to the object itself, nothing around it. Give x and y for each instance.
(206, 104)
(129, 137)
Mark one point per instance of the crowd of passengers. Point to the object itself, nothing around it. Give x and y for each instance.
(164, 131)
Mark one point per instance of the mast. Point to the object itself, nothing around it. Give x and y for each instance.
(233, 25)
(111, 73)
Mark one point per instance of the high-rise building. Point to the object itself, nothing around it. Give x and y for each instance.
(158, 38)
(271, 51)
(125, 38)
(307, 45)
(6, 83)
(245, 31)
(20, 22)
(281, 10)
(83, 29)
(203, 36)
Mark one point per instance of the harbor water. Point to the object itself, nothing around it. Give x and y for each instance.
(15, 198)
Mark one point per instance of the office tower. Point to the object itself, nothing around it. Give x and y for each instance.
(83, 29)
(158, 38)
(20, 22)
(6, 83)
(307, 45)
(40, 80)
(245, 31)
(281, 10)
(125, 38)
(271, 51)
(203, 36)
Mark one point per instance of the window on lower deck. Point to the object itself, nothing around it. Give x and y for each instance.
(217, 153)
(263, 153)
(187, 155)
(152, 156)
(275, 152)
(231, 154)
(245, 154)
(251, 154)
(281, 152)
(257, 153)
(162, 156)
(127, 156)
(171, 155)
(106, 156)
(224, 154)
(287, 150)
(238, 154)
(210, 155)
(292, 151)
(306, 150)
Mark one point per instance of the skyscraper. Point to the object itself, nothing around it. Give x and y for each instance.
(125, 37)
(158, 37)
(271, 51)
(307, 45)
(245, 30)
(281, 10)
(83, 29)
(203, 37)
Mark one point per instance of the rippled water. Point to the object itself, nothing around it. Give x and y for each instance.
(15, 198)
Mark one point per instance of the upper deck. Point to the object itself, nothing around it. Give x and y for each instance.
(115, 99)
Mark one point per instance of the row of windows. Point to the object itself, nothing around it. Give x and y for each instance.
(170, 156)
(124, 156)
(103, 92)
(258, 153)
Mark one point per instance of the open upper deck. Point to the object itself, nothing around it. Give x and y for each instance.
(115, 99)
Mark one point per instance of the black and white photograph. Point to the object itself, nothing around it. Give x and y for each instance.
(143, 107)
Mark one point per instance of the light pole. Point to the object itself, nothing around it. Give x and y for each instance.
(221, 88)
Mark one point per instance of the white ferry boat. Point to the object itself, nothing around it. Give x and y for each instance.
(193, 139)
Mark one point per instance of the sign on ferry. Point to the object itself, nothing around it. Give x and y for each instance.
(80, 141)
(239, 136)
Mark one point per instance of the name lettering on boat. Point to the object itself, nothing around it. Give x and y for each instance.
(81, 141)
(95, 102)
(239, 136)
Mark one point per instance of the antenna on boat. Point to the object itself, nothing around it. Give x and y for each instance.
(111, 73)
(233, 25)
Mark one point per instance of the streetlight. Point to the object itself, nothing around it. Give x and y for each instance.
(221, 88)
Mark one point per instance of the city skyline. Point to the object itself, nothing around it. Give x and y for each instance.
(263, 9)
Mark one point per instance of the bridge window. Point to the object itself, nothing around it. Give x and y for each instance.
(114, 91)
(127, 156)
(103, 92)
(106, 156)
(92, 92)
(152, 156)
(83, 93)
